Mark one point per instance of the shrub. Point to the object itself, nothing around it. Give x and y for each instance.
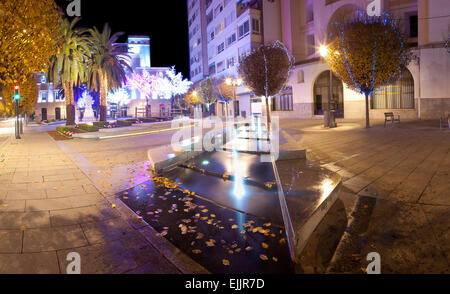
(148, 120)
(124, 123)
(88, 128)
(62, 129)
(101, 124)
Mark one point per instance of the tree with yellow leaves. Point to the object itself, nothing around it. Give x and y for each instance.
(367, 53)
(28, 93)
(28, 37)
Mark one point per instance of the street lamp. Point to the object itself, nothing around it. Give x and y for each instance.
(234, 83)
(330, 120)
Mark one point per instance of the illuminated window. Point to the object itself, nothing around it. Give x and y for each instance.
(396, 96)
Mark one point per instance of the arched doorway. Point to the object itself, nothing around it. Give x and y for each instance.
(322, 95)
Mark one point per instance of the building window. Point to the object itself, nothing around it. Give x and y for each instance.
(220, 48)
(44, 96)
(396, 96)
(413, 26)
(218, 29)
(230, 62)
(244, 29)
(209, 18)
(283, 102)
(244, 51)
(212, 68)
(310, 45)
(255, 26)
(220, 66)
(218, 10)
(230, 18)
(231, 39)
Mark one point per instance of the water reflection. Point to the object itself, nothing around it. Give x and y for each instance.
(237, 168)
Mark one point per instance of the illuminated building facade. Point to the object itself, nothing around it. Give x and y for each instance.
(234, 28)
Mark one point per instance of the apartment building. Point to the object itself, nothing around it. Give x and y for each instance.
(234, 28)
(231, 30)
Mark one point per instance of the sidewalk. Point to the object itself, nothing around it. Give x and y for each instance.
(399, 178)
(49, 208)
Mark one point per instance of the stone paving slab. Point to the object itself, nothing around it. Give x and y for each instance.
(50, 239)
(11, 241)
(18, 220)
(81, 215)
(29, 263)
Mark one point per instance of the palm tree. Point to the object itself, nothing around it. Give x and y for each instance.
(107, 65)
(68, 67)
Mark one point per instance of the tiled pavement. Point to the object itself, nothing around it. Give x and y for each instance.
(49, 208)
(402, 174)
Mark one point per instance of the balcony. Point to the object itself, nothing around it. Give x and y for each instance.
(254, 4)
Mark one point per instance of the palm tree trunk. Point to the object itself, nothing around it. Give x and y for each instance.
(70, 107)
(103, 86)
(367, 112)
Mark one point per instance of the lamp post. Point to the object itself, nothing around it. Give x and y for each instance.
(330, 120)
(16, 99)
(234, 83)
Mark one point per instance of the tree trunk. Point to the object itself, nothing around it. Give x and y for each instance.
(70, 107)
(367, 112)
(103, 86)
(269, 119)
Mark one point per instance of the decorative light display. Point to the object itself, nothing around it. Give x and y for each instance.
(119, 97)
(81, 103)
(159, 86)
(143, 82)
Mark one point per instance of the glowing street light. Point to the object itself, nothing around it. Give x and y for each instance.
(323, 50)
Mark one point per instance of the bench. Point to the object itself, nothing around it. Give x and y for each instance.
(445, 121)
(390, 117)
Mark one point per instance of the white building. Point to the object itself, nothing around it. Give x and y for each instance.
(51, 105)
(302, 25)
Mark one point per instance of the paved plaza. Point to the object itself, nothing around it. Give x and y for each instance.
(398, 180)
(57, 197)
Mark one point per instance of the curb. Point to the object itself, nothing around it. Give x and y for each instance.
(357, 224)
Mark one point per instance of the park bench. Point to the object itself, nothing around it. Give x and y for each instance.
(445, 120)
(390, 117)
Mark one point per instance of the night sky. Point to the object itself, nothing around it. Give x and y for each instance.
(164, 21)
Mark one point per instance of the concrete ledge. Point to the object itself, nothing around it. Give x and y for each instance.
(292, 154)
(310, 191)
(166, 158)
